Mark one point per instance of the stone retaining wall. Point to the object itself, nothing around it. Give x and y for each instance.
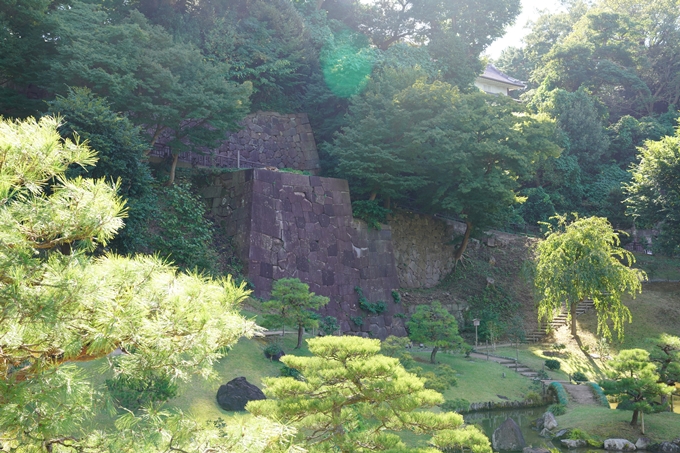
(422, 248)
(291, 225)
(276, 140)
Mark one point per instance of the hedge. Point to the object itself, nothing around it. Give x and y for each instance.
(562, 396)
(599, 393)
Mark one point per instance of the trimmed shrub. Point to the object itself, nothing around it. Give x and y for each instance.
(560, 393)
(557, 409)
(599, 393)
(552, 364)
(579, 377)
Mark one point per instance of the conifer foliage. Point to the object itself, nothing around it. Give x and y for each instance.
(352, 399)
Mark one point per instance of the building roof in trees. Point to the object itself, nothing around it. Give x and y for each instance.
(497, 79)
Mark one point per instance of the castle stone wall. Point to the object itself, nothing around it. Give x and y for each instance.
(302, 226)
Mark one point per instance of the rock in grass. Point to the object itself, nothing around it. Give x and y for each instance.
(642, 443)
(549, 421)
(235, 394)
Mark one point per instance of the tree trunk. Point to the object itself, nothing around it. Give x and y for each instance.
(572, 311)
(434, 354)
(300, 332)
(173, 168)
(633, 422)
(466, 239)
(373, 195)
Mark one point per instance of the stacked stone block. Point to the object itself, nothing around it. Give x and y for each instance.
(302, 226)
(276, 140)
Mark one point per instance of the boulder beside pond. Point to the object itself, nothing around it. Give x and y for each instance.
(508, 437)
(665, 447)
(235, 394)
(549, 421)
(574, 443)
(619, 445)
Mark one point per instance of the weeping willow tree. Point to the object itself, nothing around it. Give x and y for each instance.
(61, 304)
(583, 260)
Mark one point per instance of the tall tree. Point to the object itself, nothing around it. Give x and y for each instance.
(654, 194)
(61, 305)
(353, 399)
(292, 302)
(582, 260)
(26, 46)
(121, 150)
(433, 325)
(166, 86)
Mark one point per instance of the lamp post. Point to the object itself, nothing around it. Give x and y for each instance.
(475, 322)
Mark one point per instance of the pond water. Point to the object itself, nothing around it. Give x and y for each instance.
(488, 421)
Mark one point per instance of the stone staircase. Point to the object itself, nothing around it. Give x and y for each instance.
(558, 321)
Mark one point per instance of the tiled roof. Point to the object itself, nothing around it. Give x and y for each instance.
(494, 74)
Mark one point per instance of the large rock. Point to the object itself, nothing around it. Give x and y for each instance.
(508, 437)
(235, 394)
(619, 445)
(574, 443)
(642, 443)
(545, 433)
(535, 450)
(549, 421)
(665, 447)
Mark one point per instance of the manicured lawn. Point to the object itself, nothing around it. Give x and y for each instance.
(479, 380)
(604, 423)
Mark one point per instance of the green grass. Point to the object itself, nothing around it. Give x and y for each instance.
(473, 372)
(658, 267)
(531, 356)
(603, 423)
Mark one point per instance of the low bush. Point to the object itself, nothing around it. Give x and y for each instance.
(542, 374)
(134, 392)
(534, 398)
(287, 371)
(557, 409)
(329, 325)
(579, 377)
(552, 364)
(457, 405)
(273, 351)
(370, 212)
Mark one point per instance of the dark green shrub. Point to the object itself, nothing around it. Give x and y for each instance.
(579, 377)
(134, 392)
(457, 405)
(542, 374)
(182, 233)
(287, 371)
(357, 320)
(396, 296)
(552, 364)
(273, 351)
(370, 212)
(364, 304)
(329, 325)
(557, 409)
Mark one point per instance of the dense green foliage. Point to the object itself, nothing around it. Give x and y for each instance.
(607, 70)
(634, 381)
(353, 399)
(61, 305)
(433, 325)
(293, 303)
(134, 392)
(552, 364)
(121, 150)
(599, 394)
(581, 260)
(654, 192)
